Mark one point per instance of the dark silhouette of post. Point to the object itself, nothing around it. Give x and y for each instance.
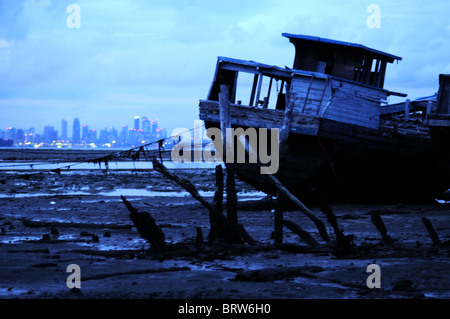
(225, 122)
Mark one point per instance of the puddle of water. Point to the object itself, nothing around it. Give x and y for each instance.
(18, 239)
(12, 291)
(137, 192)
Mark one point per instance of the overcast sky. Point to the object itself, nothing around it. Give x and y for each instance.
(157, 58)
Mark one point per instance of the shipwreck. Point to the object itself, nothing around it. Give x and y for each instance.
(344, 138)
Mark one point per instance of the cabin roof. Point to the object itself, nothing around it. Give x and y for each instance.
(302, 37)
(273, 70)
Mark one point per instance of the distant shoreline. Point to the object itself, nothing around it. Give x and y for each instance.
(53, 154)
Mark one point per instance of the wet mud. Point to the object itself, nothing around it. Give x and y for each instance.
(50, 221)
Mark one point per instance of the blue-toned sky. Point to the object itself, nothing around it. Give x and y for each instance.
(157, 58)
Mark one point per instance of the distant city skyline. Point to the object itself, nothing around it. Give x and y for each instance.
(142, 131)
(58, 125)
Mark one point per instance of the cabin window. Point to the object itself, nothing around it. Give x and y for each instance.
(370, 71)
(258, 90)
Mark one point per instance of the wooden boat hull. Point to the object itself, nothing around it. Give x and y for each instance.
(349, 163)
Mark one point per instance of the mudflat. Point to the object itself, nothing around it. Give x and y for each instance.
(50, 221)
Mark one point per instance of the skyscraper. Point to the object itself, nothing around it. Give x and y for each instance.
(64, 130)
(50, 134)
(76, 131)
(85, 133)
(136, 123)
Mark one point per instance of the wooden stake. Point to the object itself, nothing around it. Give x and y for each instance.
(282, 139)
(319, 224)
(221, 226)
(431, 231)
(342, 244)
(285, 192)
(218, 193)
(378, 222)
(278, 219)
(225, 122)
(303, 234)
(147, 227)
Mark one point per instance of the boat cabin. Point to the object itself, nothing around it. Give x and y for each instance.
(345, 60)
(330, 79)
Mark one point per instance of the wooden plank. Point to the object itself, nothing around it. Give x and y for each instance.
(407, 104)
(252, 95)
(243, 116)
(380, 83)
(225, 123)
(258, 92)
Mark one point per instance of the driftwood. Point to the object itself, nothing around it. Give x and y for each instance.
(147, 228)
(304, 235)
(221, 226)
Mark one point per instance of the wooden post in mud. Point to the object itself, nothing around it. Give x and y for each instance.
(283, 145)
(378, 222)
(285, 192)
(218, 193)
(147, 227)
(434, 237)
(304, 235)
(342, 243)
(225, 122)
(223, 227)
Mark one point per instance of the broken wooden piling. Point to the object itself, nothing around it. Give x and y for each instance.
(218, 192)
(225, 123)
(378, 222)
(147, 228)
(221, 227)
(283, 146)
(434, 236)
(304, 235)
(285, 192)
(343, 247)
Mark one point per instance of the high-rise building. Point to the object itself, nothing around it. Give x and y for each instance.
(136, 123)
(123, 136)
(85, 133)
(155, 130)
(64, 130)
(76, 131)
(50, 135)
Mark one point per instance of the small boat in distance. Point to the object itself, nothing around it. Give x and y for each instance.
(345, 139)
